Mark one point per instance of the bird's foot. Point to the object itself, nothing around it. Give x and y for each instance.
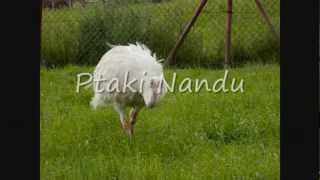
(128, 128)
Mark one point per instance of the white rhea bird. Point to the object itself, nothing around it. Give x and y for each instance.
(128, 76)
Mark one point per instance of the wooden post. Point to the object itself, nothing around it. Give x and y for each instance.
(227, 43)
(182, 36)
(266, 18)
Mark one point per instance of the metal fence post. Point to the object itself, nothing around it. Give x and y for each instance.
(171, 58)
(266, 18)
(227, 50)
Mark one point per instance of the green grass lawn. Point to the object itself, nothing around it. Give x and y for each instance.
(202, 135)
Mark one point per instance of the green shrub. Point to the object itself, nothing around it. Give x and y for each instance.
(59, 39)
(102, 25)
(79, 35)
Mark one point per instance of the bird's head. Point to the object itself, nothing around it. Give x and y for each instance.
(154, 89)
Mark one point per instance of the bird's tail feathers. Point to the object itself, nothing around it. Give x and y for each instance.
(160, 60)
(110, 45)
(97, 101)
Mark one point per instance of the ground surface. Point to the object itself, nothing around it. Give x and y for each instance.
(187, 136)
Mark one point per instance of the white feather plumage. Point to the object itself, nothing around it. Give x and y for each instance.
(134, 59)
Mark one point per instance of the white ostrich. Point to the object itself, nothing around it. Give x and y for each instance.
(135, 65)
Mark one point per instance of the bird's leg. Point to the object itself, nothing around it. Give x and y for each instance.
(133, 117)
(121, 110)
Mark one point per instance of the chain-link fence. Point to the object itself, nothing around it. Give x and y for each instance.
(76, 31)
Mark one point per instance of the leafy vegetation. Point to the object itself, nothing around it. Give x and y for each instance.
(78, 35)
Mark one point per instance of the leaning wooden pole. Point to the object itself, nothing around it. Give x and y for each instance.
(227, 43)
(266, 18)
(171, 58)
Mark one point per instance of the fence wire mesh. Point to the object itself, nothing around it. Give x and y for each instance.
(77, 31)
